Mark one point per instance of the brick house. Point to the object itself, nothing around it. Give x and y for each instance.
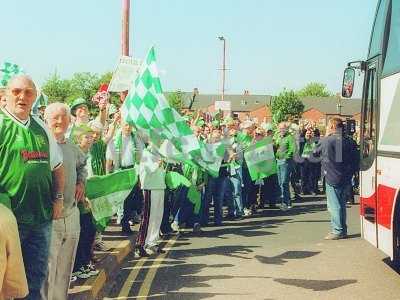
(318, 109)
(242, 106)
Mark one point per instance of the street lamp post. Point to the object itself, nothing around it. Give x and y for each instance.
(221, 38)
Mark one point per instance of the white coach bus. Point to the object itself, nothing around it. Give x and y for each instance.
(380, 131)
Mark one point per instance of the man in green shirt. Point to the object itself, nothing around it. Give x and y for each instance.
(31, 176)
(286, 147)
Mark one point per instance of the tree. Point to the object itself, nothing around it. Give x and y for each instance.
(175, 99)
(286, 105)
(57, 89)
(84, 85)
(315, 89)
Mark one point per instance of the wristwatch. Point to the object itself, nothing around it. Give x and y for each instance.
(59, 196)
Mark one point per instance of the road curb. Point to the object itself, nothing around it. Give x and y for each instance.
(109, 267)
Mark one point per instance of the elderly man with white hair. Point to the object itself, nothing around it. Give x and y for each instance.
(65, 233)
(31, 176)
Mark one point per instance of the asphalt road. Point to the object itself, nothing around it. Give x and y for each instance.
(273, 255)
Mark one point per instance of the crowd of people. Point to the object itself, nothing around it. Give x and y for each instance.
(46, 158)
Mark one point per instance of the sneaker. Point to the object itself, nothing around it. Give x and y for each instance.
(141, 252)
(92, 271)
(196, 228)
(154, 250)
(284, 207)
(333, 236)
(247, 212)
(175, 226)
(73, 279)
(101, 246)
(81, 273)
(289, 207)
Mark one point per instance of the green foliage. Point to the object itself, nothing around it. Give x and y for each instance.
(315, 89)
(175, 99)
(286, 105)
(83, 85)
(57, 89)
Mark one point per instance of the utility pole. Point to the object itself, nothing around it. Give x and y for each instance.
(125, 37)
(221, 38)
(125, 27)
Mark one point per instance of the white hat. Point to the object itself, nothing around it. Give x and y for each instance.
(247, 124)
(267, 126)
(96, 125)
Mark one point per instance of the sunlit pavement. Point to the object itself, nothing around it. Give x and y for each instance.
(273, 255)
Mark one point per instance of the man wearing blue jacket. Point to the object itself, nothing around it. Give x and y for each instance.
(338, 157)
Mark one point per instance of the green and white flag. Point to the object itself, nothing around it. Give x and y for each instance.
(260, 159)
(211, 157)
(9, 70)
(107, 193)
(147, 108)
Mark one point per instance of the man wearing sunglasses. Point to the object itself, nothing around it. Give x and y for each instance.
(31, 177)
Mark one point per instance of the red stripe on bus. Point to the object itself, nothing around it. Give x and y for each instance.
(367, 202)
(385, 205)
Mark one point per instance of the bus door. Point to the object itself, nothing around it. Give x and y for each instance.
(368, 195)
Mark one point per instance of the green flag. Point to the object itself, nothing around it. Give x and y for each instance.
(147, 108)
(260, 159)
(211, 157)
(194, 196)
(107, 193)
(9, 70)
(174, 180)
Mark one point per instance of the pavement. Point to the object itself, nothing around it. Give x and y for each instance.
(272, 255)
(108, 262)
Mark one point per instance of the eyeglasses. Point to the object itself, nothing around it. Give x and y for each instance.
(28, 92)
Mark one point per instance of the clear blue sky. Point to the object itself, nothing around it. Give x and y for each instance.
(270, 44)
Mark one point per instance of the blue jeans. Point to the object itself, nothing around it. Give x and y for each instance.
(249, 190)
(337, 208)
(235, 206)
(216, 190)
(35, 244)
(284, 168)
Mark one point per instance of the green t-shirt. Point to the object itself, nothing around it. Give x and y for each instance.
(286, 146)
(25, 169)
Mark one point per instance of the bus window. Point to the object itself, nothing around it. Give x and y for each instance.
(375, 46)
(369, 124)
(392, 61)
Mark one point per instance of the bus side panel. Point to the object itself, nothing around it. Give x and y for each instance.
(388, 180)
(368, 208)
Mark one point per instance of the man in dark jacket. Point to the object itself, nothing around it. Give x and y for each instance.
(338, 155)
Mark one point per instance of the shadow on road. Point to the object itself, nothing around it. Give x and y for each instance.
(353, 236)
(316, 285)
(283, 258)
(185, 278)
(230, 251)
